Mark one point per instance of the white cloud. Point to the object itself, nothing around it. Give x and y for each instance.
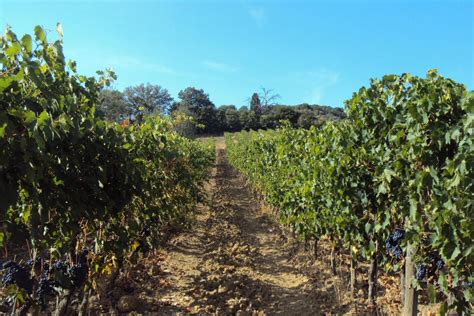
(218, 66)
(320, 80)
(258, 15)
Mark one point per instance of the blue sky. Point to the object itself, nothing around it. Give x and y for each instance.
(306, 51)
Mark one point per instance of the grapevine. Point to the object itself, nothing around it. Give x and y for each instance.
(399, 159)
(72, 182)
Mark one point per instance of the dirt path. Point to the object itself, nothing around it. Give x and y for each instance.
(232, 260)
(235, 259)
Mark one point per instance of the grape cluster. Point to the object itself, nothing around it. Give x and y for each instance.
(60, 266)
(44, 290)
(46, 268)
(68, 276)
(392, 243)
(439, 264)
(421, 271)
(82, 255)
(7, 265)
(78, 274)
(398, 235)
(436, 262)
(58, 274)
(18, 275)
(34, 263)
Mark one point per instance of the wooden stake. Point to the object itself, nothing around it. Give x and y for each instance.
(410, 302)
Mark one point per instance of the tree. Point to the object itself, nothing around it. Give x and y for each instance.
(248, 119)
(268, 99)
(286, 113)
(186, 128)
(307, 119)
(200, 107)
(147, 99)
(267, 121)
(232, 119)
(255, 104)
(221, 121)
(113, 106)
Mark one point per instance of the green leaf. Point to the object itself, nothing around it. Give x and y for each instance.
(29, 117)
(5, 82)
(432, 293)
(455, 181)
(368, 227)
(388, 174)
(42, 118)
(377, 227)
(57, 181)
(40, 35)
(443, 282)
(13, 50)
(455, 253)
(39, 140)
(413, 210)
(2, 130)
(26, 41)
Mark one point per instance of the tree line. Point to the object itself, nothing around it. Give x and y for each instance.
(261, 112)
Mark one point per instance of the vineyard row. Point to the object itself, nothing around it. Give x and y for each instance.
(80, 198)
(392, 184)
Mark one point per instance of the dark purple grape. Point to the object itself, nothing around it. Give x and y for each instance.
(421, 272)
(18, 275)
(398, 235)
(8, 279)
(44, 291)
(60, 265)
(82, 255)
(44, 287)
(36, 263)
(59, 274)
(440, 264)
(397, 252)
(78, 274)
(8, 264)
(46, 268)
(389, 244)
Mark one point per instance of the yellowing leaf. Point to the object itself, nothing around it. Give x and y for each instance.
(135, 245)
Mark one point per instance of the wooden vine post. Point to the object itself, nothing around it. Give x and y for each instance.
(353, 274)
(410, 301)
(333, 260)
(372, 295)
